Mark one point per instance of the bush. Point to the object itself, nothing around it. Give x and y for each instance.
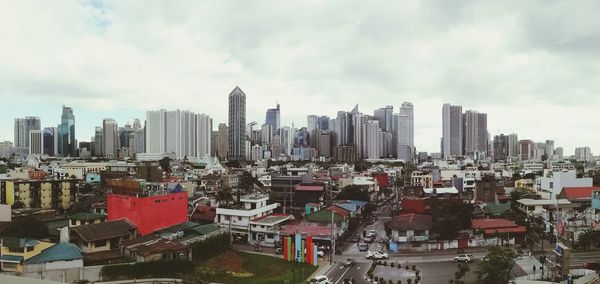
(210, 247)
(153, 269)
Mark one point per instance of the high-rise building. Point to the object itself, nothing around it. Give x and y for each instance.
(110, 137)
(237, 124)
(452, 131)
(407, 109)
(50, 141)
(273, 118)
(400, 138)
(22, 128)
(358, 133)
(371, 129)
(475, 133)
(526, 150)
(222, 141)
(385, 144)
(36, 142)
(67, 144)
(549, 150)
(344, 129)
(385, 115)
(287, 136)
(98, 142)
(137, 141)
(559, 153)
(312, 123)
(324, 142)
(513, 146)
(5, 147)
(266, 133)
(324, 122)
(137, 124)
(500, 146)
(183, 133)
(583, 154)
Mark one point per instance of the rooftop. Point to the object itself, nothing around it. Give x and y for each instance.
(272, 219)
(579, 193)
(58, 252)
(103, 231)
(87, 216)
(153, 245)
(543, 202)
(410, 221)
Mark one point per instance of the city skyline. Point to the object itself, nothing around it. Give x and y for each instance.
(515, 67)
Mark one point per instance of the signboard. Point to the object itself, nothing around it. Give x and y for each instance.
(596, 199)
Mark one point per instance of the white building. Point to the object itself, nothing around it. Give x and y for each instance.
(36, 142)
(549, 187)
(583, 154)
(238, 219)
(372, 139)
(110, 137)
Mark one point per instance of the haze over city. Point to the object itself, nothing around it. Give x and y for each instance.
(531, 69)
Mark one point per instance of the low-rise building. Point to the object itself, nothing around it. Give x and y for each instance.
(58, 256)
(409, 229)
(102, 236)
(151, 248)
(14, 252)
(236, 218)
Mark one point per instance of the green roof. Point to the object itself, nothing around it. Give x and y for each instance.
(56, 224)
(58, 252)
(496, 209)
(324, 216)
(87, 216)
(206, 229)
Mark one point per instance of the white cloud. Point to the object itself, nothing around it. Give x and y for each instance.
(532, 66)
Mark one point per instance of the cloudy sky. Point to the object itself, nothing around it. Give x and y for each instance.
(533, 66)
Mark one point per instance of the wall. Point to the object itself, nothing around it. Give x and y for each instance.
(149, 214)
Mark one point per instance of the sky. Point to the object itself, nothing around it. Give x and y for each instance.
(532, 66)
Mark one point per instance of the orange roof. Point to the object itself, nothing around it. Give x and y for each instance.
(579, 193)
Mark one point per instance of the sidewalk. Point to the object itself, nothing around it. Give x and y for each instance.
(526, 265)
(438, 252)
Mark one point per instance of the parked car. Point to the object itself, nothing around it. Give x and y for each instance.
(320, 279)
(591, 265)
(463, 258)
(348, 262)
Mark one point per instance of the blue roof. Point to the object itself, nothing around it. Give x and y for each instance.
(351, 205)
(58, 252)
(11, 258)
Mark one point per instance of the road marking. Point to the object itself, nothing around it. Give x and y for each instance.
(342, 277)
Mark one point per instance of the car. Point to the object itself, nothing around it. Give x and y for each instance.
(463, 258)
(355, 238)
(320, 279)
(377, 255)
(348, 262)
(362, 247)
(591, 265)
(373, 233)
(369, 239)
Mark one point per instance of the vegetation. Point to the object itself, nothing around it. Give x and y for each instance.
(353, 192)
(587, 239)
(210, 247)
(497, 266)
(462, 269)
(450, 218)
(26, 227)
(165, 164)
(153, 269)
(224, 195)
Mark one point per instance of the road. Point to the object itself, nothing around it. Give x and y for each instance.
(435, 268)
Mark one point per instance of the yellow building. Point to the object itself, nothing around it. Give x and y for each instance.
(45, 194)
(15, 251)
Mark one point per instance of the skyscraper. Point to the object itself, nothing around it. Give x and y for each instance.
(400, 138)
(110, 137)
(549, 151)
(358, 132)
(181, 132)
(526, 150)
(237, 124)
(222, 143)
(273, 118)
(385, 115)
(67, 144)
(36, 142)
(583, 154)
(137, 141)
(156, 129)
(500, 147)
(324, 122)
(372, 144)
(312, 123)
(452, 130)
(50, 141)
(202, 138)
(475, 132)
(407, 109)
(513, 146)
(22, 128)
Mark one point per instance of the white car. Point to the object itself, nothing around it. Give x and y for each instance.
(463, 258)
(320, 279)
(377, 255)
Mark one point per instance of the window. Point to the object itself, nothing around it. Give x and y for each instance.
(16, 250)
(551, 184)
(73, 222)
(100, 243)
(239, 218)
(9, 266)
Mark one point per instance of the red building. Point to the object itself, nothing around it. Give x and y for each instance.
(383, 180)
(151, 213)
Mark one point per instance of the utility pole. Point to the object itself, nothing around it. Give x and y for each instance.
(332, 252)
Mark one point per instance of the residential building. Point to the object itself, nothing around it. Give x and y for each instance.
(400, 137)
(410, 229)
(22, 128)
(551, 186)
(59, 257)
(583, 154)
(372, 139)
(105, 236)
(501, 147)
(5, 147)
(14, 252)
(513, 146)
(237, 218)
(407, 109)
(475, 133)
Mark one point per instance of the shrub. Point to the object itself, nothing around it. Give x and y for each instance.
(399, 281)
(406, 267)
(210, 247)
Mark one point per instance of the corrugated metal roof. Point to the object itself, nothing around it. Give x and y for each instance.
(58, 252)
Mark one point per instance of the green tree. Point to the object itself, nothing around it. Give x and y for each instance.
(353, 192)
(450, 218)
(247, 181)
(462, 269)
(496, 267)
(26, 227)
(224, 195)
(165, 164)
(586, 239)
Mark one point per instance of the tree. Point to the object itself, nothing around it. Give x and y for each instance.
(586, 239)
(353, 192)
(450, 218)
(463, 268)
(26, 227)
(224, 195)
(496, 267)
(165, 164)
(247, 181)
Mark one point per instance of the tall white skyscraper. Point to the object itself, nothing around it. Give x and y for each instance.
(452, 130)
(358, 133)
(36, 142)
(401, 138)
(110, 136)
(156, 131)
(407, 109)
(513, 146)
(583, 154)
(203, 133)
